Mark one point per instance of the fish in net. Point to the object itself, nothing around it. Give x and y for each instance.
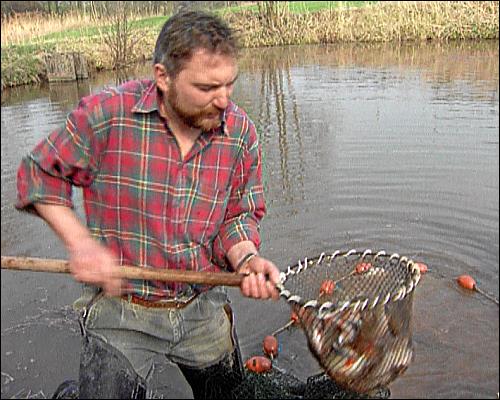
(355, 309)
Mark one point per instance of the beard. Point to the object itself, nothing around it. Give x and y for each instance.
(206, 119)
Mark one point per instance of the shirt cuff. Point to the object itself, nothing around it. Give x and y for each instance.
(36, 186)
(231, 235)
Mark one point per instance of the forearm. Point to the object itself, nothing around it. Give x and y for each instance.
(65, 223)
(240, 250)
(261, 275)
(90, 261)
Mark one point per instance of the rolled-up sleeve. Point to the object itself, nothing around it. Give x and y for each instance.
(246, 205)
(65, 158)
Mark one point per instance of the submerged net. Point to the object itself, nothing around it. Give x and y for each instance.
(355, 309)
(277, 384)
(274, 384)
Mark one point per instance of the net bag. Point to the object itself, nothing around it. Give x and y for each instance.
(277, 384)
(355, 309)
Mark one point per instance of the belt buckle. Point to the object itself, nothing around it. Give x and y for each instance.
(181, 303)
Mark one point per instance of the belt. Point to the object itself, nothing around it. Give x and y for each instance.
(171, 303)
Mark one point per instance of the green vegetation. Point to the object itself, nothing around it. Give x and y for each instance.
(312, 6)
(23, 67)
(265, 23)
(302, 6)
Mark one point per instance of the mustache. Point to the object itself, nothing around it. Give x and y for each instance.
(213, 110)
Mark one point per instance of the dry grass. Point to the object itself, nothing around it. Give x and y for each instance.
(387, 21)
(380, 22)
(29, 28)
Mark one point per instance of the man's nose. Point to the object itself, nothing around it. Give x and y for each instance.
(221, 99)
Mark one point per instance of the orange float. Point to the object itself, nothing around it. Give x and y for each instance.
(422, 267)
(258, 364)
(294, 319)
(270, 345)
(467, 282)
(327, 287)
(363, 267)
(349, 362)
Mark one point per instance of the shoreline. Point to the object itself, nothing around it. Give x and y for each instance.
(399, 22)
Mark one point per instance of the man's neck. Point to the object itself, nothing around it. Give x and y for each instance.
(185, 135)
(176, 124)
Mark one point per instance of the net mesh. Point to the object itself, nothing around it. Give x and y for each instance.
(355, 309)
(276, 384)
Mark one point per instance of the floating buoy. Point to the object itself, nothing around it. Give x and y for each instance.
(467, 282)
(258, 364)
(363, 267)
(422, 267)
(294, 319)
(327, 287)
(270, 345)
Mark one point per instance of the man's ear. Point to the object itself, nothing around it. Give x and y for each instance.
(161, 77)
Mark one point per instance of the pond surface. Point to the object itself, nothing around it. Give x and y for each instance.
(366, 147)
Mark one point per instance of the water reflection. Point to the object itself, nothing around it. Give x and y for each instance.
(471, 61)
(365, 146)
(68, 94)
(456, 73)
(277, 96)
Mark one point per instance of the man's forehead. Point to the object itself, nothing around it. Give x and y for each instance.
(213, 66)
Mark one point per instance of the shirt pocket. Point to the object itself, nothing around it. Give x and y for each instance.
(204, 213)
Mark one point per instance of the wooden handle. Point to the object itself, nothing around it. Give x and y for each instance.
(128, 272)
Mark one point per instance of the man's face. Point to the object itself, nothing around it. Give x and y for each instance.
(200, 93)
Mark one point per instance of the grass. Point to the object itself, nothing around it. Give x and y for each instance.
(313, 6)
(303, 6)
(25, 39)
(94, 30)
(41, 28)
(381, 22)
(23, 67)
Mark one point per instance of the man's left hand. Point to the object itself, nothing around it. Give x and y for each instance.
(262, 277)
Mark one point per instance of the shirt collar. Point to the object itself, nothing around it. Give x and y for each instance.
(148, 103)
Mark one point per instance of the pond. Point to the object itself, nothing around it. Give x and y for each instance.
(382, 146)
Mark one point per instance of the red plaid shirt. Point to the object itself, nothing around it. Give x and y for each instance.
(148, 205)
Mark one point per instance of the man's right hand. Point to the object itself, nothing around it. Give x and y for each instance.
(89, 261)
(92, 263)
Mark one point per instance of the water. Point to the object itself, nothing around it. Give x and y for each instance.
(365, 146)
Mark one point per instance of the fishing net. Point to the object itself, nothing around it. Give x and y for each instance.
(355, 309)
(274, 384)
(277, 384)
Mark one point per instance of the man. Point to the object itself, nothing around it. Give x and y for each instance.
(171, 178)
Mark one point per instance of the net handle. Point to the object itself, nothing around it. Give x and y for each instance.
(127, 272)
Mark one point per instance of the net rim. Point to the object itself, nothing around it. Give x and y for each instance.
(328, 309)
